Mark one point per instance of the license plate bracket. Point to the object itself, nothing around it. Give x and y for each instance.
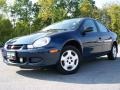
(11, 55)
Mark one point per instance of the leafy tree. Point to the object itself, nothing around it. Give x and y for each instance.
(2, 3)
(86, 8)
(70, 7)
(22, 9)
(5, 30)
(3, 6)
(114, 14)
(22, 28)
(46, 9)
(23, 13)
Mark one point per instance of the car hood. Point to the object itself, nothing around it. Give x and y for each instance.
(29, 39)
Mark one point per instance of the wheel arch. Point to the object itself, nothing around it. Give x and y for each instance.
(74, 43)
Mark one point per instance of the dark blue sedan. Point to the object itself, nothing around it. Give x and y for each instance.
(63, 44)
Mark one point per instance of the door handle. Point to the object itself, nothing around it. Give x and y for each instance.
(110, 37)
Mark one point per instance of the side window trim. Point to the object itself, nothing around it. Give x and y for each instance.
(98, 29)
(80, 26)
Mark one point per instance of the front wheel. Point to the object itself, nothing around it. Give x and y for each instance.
(69, 60)
(112, 55)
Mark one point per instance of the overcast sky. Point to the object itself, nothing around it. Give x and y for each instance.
(99, 3)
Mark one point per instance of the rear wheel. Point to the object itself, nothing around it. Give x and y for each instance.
(113, 53)
(69, 60)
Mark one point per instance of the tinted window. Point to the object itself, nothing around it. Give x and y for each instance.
(71, 24)
(101, 27)
(89, 23)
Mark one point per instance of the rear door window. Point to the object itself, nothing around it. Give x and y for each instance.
(101, 27)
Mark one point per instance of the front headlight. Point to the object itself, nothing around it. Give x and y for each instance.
(40, 42)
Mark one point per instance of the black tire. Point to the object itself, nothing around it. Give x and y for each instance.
(110, 55)
(59, 65)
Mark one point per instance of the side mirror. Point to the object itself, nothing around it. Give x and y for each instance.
(89, 29)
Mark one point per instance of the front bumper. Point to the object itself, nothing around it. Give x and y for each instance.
(32, 58)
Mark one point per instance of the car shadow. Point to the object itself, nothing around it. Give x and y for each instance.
(96, 71)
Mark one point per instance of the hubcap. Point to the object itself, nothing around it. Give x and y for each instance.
(114, 51)
(69, 60)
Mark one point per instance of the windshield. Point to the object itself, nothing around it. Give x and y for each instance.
(71, 24)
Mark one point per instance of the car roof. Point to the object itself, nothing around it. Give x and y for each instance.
(84, 18)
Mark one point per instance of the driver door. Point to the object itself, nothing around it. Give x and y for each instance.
(90, 40)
